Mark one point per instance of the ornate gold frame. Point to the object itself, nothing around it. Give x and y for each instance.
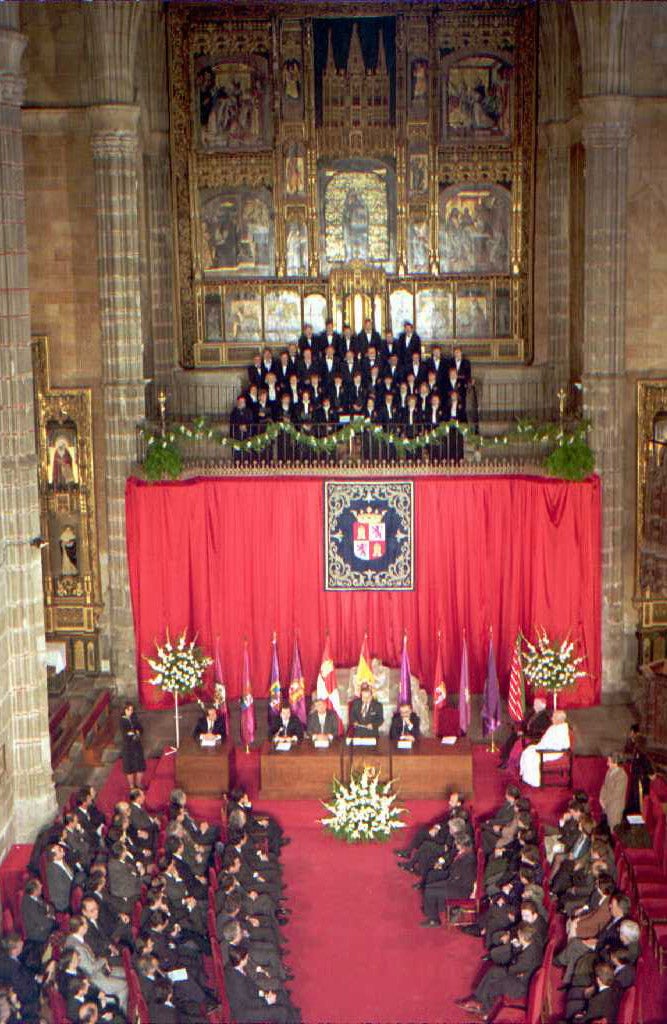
(72, 604)
(651, 399)
(285, 31)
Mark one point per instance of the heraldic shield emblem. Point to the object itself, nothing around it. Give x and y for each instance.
(369, 535)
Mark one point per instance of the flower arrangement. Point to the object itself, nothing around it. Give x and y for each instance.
(179, 666)
(364, 810)
(549, 666)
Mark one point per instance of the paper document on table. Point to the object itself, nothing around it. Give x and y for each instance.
(448, 741)
(404, 744)
(180, 974)
(364, 741)
(207, 742)
(283, 745)
(635, 819)
(321, 744)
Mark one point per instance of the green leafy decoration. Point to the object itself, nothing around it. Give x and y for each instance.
(163, 459)
(572, 459)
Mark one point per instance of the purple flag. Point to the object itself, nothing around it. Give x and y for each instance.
(297, 690)
(275, 697)
(464, 690)
(405, 685)
(491, 704)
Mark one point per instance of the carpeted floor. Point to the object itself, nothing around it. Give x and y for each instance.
(356, 947)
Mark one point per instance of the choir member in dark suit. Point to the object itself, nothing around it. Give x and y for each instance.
(368, 336)
(439, 364)
(329, 365)
(132, 753)
(433, 420)
(462, 367)
(357, 396)
(307, 365)
(390, 421)
(255, 375)
(350, 365)
(287, 726)
(454, 413)
(329, 337)
(241, 424)
(210, 724)
(283, 370)
(348, 343)
(369, 444)
(268, 363)
(389, 346)
(455, 882)
(285, 447)
(309, 341)
(326, 421)
(409, 342)
(322, 721)
(366, 713)
(404, 724)
(338, 393)
(533, 727)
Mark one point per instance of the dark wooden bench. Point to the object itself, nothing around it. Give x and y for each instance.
(57, 719)
(97, 729)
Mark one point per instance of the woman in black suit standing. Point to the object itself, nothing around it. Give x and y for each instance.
(131, 729)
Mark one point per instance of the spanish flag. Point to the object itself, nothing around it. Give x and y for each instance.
(364, 671)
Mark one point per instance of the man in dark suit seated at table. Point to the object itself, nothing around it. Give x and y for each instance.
(457, 883)
(322, 721)
(286, 726)
(366, 714)
(248, 1003)
(534, 725)
(404, 724)
(210, 725)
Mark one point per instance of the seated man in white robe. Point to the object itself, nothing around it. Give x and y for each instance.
(555, 740)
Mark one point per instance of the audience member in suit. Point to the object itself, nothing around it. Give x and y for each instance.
(286, 726)
(533, 727)
(604, 998)
(510, 980)
(125, 875)
(210, 724)
(246, 1003)
(38, 921)
(111, 980)
(366, 713)
(404, 723)
(163, 1009)
(59, 878)
(613, 792)
(458, 883)
(15, 974)
(492, 827)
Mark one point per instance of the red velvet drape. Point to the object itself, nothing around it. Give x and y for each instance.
(238, 557)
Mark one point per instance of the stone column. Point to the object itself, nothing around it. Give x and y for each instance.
(115, 157)
(558, 139)
(158, 203)
(26, 783)
(606, 134)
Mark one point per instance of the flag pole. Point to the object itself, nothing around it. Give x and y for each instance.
(492, 748)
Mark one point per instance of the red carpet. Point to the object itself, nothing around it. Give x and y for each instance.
(356, 947)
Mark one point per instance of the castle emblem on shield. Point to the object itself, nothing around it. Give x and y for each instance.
(369, 535)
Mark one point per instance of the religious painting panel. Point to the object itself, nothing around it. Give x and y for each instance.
(243, 315)
(292, 89)
(502, 312)
(237, 227)
(233, 102)
(295, 169)
(418, 173)
(477, 97)
(315, 311)
(474, 311)
(357, 213)
(419, 87)
(296, 245)
(213, 316)
(67, 552)
(474, 229)
(62, 456)
(282, 316)
(434, 313)
(418, 244)
(401, 308)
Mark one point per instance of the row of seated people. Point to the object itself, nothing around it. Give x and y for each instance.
(116, 919)
(521, 893)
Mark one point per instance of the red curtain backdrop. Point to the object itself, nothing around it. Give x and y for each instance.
(239, 557)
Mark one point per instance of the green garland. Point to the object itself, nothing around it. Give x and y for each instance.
(571, 459)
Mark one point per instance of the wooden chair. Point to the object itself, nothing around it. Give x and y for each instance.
(96, 730)
(468, 907)
(557, 772)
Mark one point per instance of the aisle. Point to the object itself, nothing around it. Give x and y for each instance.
(357, 949)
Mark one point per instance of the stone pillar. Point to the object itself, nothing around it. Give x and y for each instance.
(115, 157)
(28, 798)
(158, 203)
(606, 134)
(558, 139)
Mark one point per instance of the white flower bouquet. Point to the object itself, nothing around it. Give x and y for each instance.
(550, 666)
(179, 666)
(365, 810)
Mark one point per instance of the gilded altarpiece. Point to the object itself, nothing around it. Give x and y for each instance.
(70, 561)
(380, 163)
(651, 562)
